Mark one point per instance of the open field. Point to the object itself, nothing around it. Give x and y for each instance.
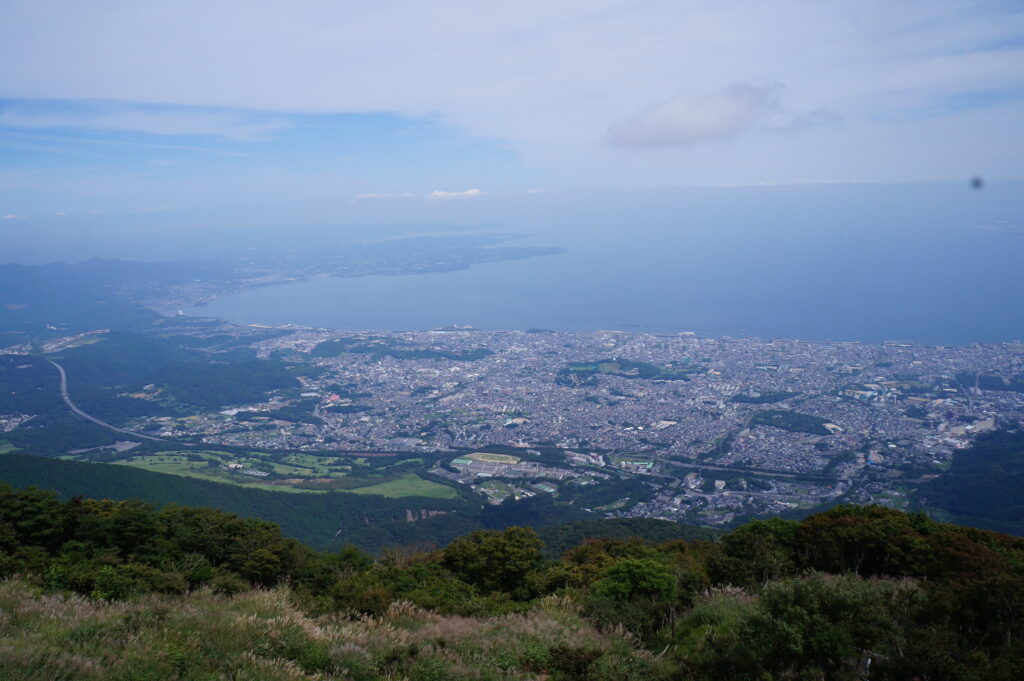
(6, 446)
(178, 465)
(294, 476)
(318, 466)
(410, 485)
(297, 472)
(495, 490)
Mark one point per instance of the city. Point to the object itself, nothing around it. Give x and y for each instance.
(721, 428)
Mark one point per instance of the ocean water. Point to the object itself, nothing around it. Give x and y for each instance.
(936, 264)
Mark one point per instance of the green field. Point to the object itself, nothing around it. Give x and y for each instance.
(318, 466)
(286, 469)
(179, 465)
(292, 472)
(6, 446)
(410, 485)
(495, 490)
(496, 486)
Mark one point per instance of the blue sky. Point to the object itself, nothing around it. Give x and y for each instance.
(93, 149)
(115, 105)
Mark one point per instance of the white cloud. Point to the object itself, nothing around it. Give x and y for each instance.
(688, 119)
(446, 196)
(233, 126)
(437, 195)
(549, 78)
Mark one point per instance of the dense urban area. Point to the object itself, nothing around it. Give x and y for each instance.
(719, 429)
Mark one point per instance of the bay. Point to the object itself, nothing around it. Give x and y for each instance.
(867, 264)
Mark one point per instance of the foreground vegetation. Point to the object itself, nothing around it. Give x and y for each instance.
(261, 635)
(120, 590)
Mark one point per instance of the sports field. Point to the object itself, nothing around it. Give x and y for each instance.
(494, 458)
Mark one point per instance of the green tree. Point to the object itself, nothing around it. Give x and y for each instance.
(636, 578)
(639, 593)
(867, 540)
(759, 551)
(492, 560)
(822, 625)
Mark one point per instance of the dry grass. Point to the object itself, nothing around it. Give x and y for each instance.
(263, 636)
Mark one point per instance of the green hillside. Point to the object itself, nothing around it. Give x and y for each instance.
(985, 485)
(320, 520)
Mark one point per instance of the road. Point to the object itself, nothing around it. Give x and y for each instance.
(88, 417)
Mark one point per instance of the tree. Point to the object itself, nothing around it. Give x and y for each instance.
(639, 593)
(636, 578)
(820, 625)
(867, 540)
(492, 560)
(761, 550)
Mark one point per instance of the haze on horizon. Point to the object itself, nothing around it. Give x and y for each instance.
(117, 107)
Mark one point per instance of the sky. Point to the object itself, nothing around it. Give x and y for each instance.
(114, 106)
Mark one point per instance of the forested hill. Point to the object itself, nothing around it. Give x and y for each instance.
(62, 298)
(985, 485)
(111, 590)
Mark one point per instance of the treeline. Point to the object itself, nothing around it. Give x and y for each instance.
(831, 597)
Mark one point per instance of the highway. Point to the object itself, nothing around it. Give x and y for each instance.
(88, 417)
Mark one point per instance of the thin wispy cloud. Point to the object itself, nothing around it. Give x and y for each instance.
(62, 142)
(439, 195)
(811, 119)
(688, 119)
(164, 121)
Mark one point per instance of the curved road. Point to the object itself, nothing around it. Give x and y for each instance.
(89, 417)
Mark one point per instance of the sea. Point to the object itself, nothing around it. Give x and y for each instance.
(935, 264)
